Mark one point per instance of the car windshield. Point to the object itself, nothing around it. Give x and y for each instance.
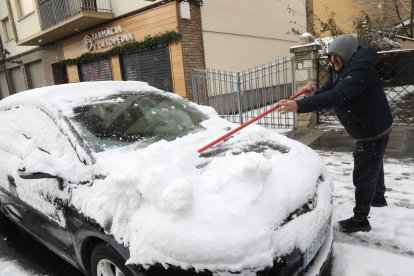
(135, 119)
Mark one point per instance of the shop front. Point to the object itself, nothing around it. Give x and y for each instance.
(145, 46)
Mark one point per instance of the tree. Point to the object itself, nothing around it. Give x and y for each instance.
(375, 32)
(377, 29)
(397, 14)
(404, 11)
(317, 26)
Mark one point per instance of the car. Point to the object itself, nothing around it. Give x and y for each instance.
(107, 175)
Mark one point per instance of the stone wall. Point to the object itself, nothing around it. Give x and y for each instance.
(306, 63)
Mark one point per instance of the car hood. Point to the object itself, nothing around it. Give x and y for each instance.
(221, 210)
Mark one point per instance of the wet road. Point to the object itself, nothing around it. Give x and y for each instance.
(31, 256)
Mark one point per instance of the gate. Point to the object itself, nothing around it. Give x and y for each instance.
(241, 96)
(396, 69)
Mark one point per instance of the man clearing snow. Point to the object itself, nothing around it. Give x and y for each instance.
(355, 91)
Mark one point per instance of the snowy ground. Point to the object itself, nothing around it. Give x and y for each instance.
(8, 268)
(388, 250)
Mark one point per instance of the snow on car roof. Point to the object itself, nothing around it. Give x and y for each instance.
(60, 95)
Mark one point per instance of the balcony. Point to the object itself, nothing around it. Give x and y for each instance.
(60, 18)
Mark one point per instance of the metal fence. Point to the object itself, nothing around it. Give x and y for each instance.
(396, 69)
(53, 12)
(241, 96)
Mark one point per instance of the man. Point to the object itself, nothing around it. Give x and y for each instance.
(355, 91)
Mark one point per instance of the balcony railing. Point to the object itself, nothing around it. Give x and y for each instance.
(52, 12)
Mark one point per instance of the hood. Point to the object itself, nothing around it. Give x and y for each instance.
(219, 210)
(365, 54)
(344, 46)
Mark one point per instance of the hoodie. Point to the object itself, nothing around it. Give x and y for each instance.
(344, 46)
(356, 93)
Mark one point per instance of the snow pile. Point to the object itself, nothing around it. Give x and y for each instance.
(174, 207)
(171, 207)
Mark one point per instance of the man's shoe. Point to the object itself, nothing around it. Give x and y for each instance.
(353, 224)
(379, 202)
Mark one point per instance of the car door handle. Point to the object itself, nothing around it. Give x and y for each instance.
(12, 185)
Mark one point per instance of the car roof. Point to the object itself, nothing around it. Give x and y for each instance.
(61, 96)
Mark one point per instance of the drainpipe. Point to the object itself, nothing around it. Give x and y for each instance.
(3, 52)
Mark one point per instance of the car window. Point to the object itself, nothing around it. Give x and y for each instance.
(135, 118)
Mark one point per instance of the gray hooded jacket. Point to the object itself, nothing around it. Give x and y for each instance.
(344, 46)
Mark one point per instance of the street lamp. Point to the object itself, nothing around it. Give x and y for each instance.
(6, 55)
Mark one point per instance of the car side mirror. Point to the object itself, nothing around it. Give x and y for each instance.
(39, 175)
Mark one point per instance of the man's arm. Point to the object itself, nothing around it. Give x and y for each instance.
(346, 89)
(325, 100)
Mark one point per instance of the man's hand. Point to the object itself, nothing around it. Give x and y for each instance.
(311, 89)
(287, 106)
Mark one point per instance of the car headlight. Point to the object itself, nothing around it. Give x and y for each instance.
(305, 208)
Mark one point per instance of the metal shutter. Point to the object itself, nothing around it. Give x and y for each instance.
(18, 79)
(152, 66)
(96, 71)
(37, 74)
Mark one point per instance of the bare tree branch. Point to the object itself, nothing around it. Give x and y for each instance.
(401, 19)
(404, 6)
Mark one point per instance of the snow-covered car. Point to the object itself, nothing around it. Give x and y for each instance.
(108, 176)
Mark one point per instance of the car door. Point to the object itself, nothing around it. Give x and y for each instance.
(41, 164)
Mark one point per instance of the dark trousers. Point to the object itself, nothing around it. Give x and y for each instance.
(368, 175)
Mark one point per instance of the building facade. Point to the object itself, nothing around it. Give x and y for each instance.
(47, 42)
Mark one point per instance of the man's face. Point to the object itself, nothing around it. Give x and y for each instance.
(336, 62)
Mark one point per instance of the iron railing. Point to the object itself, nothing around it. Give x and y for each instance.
(396, 69)
(52, 12)
(241, 96)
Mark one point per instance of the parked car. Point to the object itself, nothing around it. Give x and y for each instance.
(108, 176)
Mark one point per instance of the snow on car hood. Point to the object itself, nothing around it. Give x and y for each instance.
(221, 212)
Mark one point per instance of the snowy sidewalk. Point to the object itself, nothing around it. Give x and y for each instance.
(388, 249)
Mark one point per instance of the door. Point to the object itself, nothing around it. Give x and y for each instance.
(4, 86)
(151, 66)
(18, 79)
(37, 74)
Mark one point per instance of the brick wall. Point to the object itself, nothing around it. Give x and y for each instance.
(192, 44)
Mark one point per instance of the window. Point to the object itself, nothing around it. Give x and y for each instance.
(24, 7)
(7, 29)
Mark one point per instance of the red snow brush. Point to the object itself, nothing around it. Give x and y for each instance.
(231, 132)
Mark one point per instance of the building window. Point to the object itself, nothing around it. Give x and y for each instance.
(5, 24)
(24, 7)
